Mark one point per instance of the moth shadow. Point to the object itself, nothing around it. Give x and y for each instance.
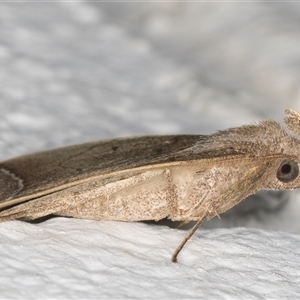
(43, 219)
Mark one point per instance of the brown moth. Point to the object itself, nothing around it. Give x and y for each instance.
(183, 178)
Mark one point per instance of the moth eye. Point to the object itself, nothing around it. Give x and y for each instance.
(287, 171)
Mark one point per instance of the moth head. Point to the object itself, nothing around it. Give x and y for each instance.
(287, 168)
(292, 121)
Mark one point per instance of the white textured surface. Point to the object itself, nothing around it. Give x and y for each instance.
(75, 72)
(125, 260)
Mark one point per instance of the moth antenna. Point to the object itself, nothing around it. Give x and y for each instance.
(292, 121)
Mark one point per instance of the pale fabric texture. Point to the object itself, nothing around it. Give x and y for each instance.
(76, 72)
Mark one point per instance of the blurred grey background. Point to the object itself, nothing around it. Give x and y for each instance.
(72, 72)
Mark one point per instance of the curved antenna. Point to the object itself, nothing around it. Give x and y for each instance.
(292, 121)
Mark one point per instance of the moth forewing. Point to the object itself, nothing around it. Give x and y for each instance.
(180, 191)
(38, 174)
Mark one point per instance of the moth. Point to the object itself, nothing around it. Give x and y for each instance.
(181, 177)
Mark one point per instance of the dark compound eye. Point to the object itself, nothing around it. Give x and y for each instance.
(287, 171)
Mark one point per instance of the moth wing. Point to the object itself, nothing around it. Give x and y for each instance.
(34, 175)
(38, 174)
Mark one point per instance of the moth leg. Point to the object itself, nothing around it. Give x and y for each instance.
(188, 236)
(182, 224)
(217, 214)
